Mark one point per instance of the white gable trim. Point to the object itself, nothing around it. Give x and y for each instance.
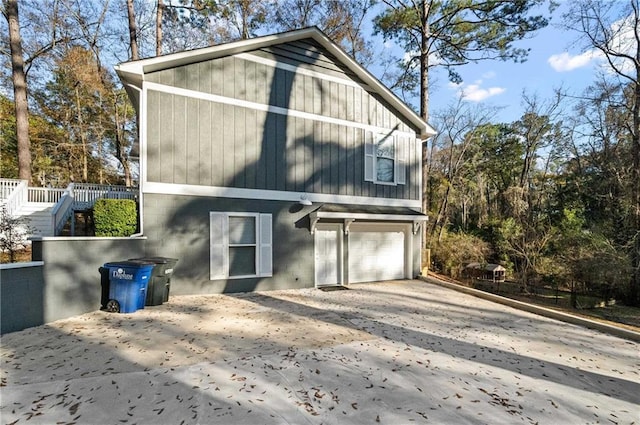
(272, 195)
(269, 108)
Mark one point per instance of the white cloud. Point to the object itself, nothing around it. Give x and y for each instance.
(474, 93)
(624, 42)
(565, 62)
(624, 39)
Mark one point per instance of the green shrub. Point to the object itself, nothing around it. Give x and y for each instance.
(115, 217)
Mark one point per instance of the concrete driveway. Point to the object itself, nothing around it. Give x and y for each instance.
(390, 353)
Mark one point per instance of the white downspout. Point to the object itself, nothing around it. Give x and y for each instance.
(142, 156)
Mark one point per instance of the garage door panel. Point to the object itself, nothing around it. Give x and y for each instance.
(376, 255)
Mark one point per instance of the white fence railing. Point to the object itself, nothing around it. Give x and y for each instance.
(86, 194)
(77, 196)
(16, 197)
(45, 194)
(62, 210)
(7, 186)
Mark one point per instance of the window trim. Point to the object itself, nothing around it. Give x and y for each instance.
(400, 150)
(220, 245)
(391, 139)
(255, 244)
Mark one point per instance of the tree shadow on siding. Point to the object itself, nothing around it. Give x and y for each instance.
(71, 281)
(321, 157)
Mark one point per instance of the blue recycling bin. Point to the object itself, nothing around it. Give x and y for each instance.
(128, 282)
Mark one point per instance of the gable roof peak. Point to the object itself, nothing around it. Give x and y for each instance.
(133, 73)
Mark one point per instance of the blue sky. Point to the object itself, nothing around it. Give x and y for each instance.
(554, 61)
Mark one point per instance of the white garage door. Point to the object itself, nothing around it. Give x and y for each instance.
(376, 255)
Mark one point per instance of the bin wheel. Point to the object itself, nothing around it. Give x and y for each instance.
(113, 306)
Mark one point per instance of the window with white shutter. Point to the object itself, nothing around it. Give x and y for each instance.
(218, 246)
(241, 245)
(402, 148)
(369, 157)
(385, 158)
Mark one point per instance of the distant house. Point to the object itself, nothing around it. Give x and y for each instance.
(490, 272)
(276, 162)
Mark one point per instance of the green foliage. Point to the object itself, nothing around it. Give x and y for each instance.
(8, 139)
(115, 217)
(82, 100)
(461, 31)
(500, 155)
(455, 250)
(588, 259)
(51, 160)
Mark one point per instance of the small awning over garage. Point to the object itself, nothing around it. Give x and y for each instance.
(349, 214)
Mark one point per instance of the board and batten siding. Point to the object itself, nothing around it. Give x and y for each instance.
(198, 140)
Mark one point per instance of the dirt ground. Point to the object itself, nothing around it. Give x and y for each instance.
(390, 353)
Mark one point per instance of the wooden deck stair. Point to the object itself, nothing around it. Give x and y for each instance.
(38, 217)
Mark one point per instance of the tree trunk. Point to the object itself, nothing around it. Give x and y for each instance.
(424, 111)
(634, 293)
(244, 14)
(121, 154)
(83, 139)
(101, 169)
(442, 213)
(159, 11)
(133, 30)
(19, 90)
(424, 61)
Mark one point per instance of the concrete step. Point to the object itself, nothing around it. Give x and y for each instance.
(31, 207)
(38, 217)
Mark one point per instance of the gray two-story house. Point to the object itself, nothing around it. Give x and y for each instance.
(276, 162)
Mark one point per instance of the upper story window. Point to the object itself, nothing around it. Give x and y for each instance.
(385, 158)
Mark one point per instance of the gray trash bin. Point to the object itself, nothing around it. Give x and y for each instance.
(160, 281)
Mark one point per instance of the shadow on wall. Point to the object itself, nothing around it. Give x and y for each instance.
(71, 277)
(332, 163)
